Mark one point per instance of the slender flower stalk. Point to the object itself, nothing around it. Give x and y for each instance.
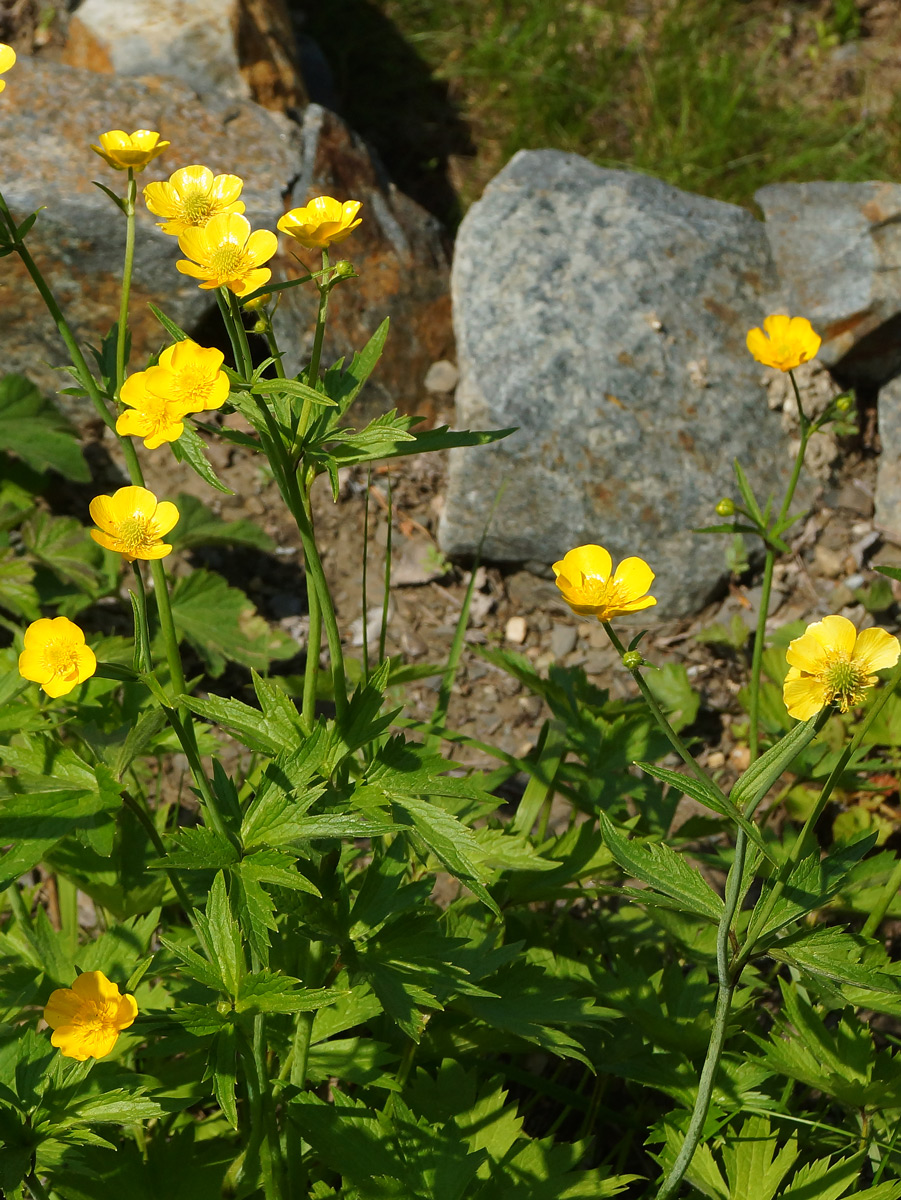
(313, 370)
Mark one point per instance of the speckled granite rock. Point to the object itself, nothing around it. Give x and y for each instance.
(605, 313)
(888, 476)
(837, 251)
(52, 113)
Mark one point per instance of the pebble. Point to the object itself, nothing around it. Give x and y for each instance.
(516, 630)
(441, 376)
(563, 640)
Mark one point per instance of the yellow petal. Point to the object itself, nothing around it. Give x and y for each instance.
(822, 643)
(133, 389)
(62, 1008)
(133, 502)
(157, 550)
(777, 326)
(226, 189)
(86, 663)
(189, 268)
(106, 540)
(637, 605)
(104, 513)
(33, 667)
(633, 577)
(165, 517)
(592, 561)
(249, 282)
(7, 57)
(759, 346)
(195, 243)
(875, 650)
(94, 986)
(128, 1010)
(261, 246)
(804, 697)
(71, 1042)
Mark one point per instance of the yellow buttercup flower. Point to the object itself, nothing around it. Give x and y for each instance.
(787, 342)
(322, 222)
(192, 197)
(591, 587)
(132, 521)
(55, 655)
(155, 418)
(7, 60)
(226, 254)
(88, 1017)
(123, 150)
(187, 379)
(831, 663)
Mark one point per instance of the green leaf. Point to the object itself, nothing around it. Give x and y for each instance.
(750, 789)
(224, 935)
(223, 1069)
(33, 429)
(294, 389)
(199, 526)
(672, 689)
(200, 849)
(17, 592)
(266, 991)
(660, 867)
(63, 545)
(345, 386)
(705, 793)
(223, 626)
(190, 448)
(175, 331)
(197, 967)
(839, 955)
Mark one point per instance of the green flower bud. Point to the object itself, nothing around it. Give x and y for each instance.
(844, 404)
(632, 660)
(725, 508)
(344, 270)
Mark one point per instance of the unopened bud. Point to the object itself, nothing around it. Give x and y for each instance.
(632, 660)
(344, 269)
(725, 508)
(844, 404)
(258, 303)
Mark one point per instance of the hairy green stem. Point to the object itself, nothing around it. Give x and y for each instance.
(316, 356)
(766, 589)
(881, 907)
(122, 327)
(672, 737)
(37, 1189)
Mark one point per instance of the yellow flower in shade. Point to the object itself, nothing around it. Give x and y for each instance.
(787, 342)
(55, 656)
(7, 60)
(322, 222)
(88, 1017)
(156, 419)
(187, 379)
(132, 521)
(831, 663)
(123, 150)
(191, 197)
(226, 254)
(592, 588)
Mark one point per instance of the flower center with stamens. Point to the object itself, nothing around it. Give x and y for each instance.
(193, 386)
(196, 206)
(847, 683)
(61, 657)
(135, 533)
(227, 260)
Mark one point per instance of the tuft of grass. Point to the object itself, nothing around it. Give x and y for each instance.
(710, 95)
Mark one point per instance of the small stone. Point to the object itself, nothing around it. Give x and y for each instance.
(413, 645)
(563, 640)
(515, 631)
(830, 562)
(715, 760)
(441, 376)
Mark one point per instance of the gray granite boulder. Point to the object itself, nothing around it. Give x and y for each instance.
(604, 313)
(837, 252)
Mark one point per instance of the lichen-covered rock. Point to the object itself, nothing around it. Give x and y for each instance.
(241, 48)
(51, 115)
(837, 252)
(398, 251)
(604, 313)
